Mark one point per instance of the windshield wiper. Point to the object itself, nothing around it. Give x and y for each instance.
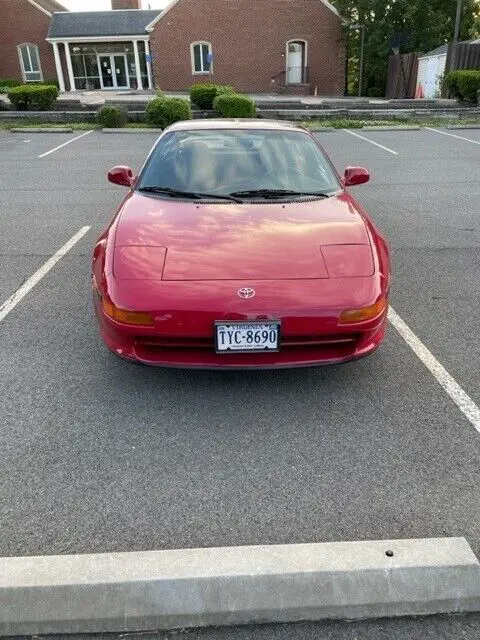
(276, 193)
(194, 195)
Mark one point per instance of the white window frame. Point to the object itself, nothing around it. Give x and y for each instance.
(192, 58)
(24, 71)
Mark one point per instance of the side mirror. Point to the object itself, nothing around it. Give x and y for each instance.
(121, 175)
(355, 175)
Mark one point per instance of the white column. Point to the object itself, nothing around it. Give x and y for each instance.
(149, 65)
(137, 65)
(58, 67)
(69, 67)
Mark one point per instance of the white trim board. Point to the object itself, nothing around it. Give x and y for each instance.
(73, 39)
(40, 8)
(171, 4)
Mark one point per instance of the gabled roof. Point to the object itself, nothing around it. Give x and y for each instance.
(327, 4)
(129, 22)
(47, 6)
(436, 52)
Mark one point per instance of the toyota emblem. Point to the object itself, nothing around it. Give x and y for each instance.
(246, 292)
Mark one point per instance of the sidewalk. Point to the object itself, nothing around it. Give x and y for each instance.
(99, 97)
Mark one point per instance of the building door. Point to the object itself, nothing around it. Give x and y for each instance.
(120, 67)
(295, 62)
(113, 71)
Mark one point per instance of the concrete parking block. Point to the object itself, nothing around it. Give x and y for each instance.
(131, 130)
(41, 130)
(463, 126)
(236, 585)
(391, 128)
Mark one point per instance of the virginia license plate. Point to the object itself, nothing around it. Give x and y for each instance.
(247, 336)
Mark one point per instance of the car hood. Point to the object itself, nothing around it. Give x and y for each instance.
(175, 240)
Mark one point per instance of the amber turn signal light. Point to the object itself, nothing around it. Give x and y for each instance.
(124, 316)
(363, 314)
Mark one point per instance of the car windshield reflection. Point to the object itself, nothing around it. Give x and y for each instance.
(223, 162)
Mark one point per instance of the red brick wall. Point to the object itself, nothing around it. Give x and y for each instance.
(21, 22)
(126, 4)
(248, 39)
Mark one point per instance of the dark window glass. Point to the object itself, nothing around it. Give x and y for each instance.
(91, 66)
(78, 66)
(206, 64)
(222, 161)
(197, 58)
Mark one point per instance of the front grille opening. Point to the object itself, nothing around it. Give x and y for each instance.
(207, 343)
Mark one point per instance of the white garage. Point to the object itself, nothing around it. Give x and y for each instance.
(431, 68)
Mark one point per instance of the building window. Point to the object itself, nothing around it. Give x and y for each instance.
(30, 62)
(200, 53)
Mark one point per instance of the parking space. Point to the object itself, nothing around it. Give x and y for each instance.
(100, 455)
(44, 201)
(425, 200)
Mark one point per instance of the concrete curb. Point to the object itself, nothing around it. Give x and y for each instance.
(323, 129)
(131, 130)
(392, 128)
(236, 585)
(41, 130)
(463, 126)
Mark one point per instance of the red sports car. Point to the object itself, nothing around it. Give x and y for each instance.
(238, 246)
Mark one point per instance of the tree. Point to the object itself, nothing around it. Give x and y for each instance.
(416, 25)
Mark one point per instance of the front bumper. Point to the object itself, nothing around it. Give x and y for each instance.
(318, 345)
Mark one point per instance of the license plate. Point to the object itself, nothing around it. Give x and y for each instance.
(247, 336)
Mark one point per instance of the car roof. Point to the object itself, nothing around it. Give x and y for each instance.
(231, 123)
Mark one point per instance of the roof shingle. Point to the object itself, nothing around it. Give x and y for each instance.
(101, 23)
(436, 52)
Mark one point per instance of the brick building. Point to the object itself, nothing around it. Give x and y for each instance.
(256, 45)
(24, 52)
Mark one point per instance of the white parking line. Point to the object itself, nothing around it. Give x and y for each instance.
(452, 135)
(65, 143)
(466, 405)
(20, 293)
(357, 135)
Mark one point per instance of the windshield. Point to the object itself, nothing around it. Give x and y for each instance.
(222, 162)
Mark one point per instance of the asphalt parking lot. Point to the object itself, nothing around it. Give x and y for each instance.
(101, 455)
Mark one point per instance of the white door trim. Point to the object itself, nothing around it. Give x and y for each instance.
(113, 68)
(127, 72)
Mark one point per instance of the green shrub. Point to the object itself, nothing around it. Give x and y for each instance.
(36, 97)
(6, 83)
(203, 94)
(224, 88)
(450, 83)
(375, 92)
(111, 117)
(162, 112)
(468, 84)
(234, 105)
(463, 84)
